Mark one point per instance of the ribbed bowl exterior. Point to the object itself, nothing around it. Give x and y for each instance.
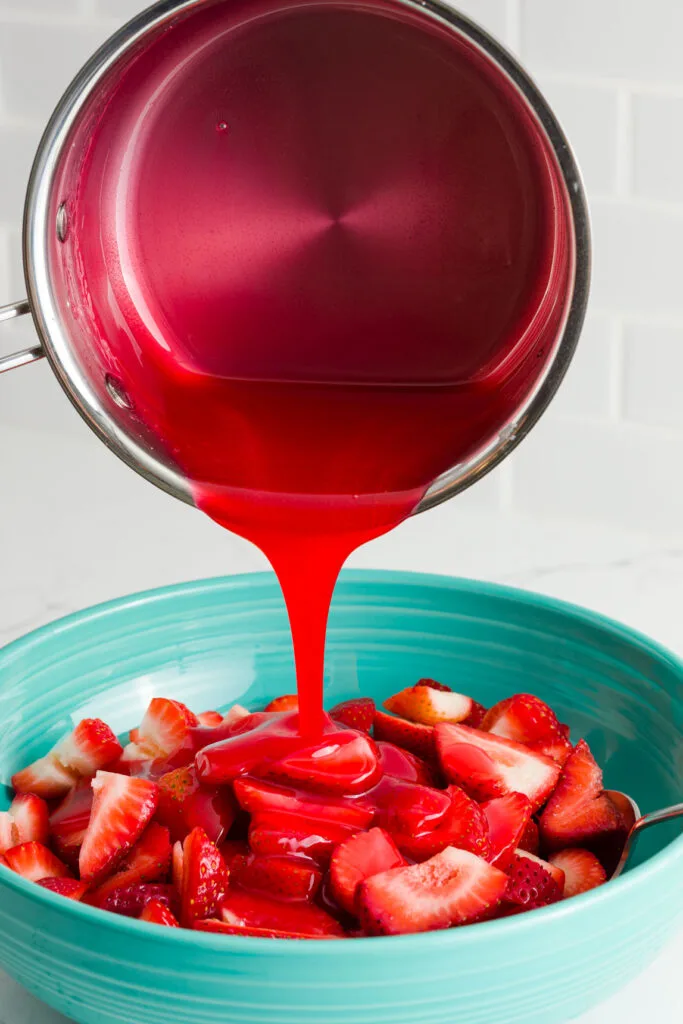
(215, 642)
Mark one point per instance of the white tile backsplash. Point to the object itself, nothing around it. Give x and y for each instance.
(613, 72)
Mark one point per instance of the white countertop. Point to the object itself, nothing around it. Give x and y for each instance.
(78, 527)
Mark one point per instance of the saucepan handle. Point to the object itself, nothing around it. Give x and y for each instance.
(28, 355)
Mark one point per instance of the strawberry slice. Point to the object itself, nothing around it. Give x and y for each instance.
(221, 928)
(237, 713)
(27, 820)
(582, 871)
(243, 909)
(464, 826)
(522, 718)
(71, 888)
(69, 822)
(508, 818)
(532, 882)
(291, 879)
(434, 685)
(148, 861)
(287, 702)
(122, 808)
(424, 704)
(91, 746)
(556, 747)
(454, 887)
(357, 713)
(295, 834)
(205, 879)
(343, 762)
(579, 813)
(185, 803)
(34, 862)
(406, 807)
(257, 796)
(488, 766)
(357, 859)
(401, 764)
(156, 912)
(531, 840)
(418, 739)
(210, 719)
(131, 900)
(164, 729)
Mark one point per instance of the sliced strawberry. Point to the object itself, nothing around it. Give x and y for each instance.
(464, 826)
(556, 747)
(359, 858)
(434, 685)
(71, 888)
(406, 807)
(295, 834)
(236, 854)
(258, 797)
(205, 878)
(488, 766)
(476, 716)
(287, 702)
(69, 821)
(34, 862)
(46, 778)
(424, 704)
(508, 818)
(132, 900)
(177, 866)
(454, 887)
(237, 722)
(210, 719)
(532, 882)
(185, 803)
(26, 821)
(418, 739)
(357, 713)
(522, 718)
(148, 861)
(249, 910)
(91, 746)
(156, 912)
(401, 764)
(122, 808)
(582, 871)
(579, 813)
(292, 879)
(531, 840)
(237, 713)
(221, 928)
(163, 731)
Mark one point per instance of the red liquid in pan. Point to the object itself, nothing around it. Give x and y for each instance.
(329, 264)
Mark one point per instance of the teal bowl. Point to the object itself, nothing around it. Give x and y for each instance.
(221, 641)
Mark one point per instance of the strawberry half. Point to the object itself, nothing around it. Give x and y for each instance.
(357, 713)
(342, 762)
(26, 821)
(287, 702)
(247, 910)
(556, 747)
(122, 808)
(508, 818)
(34, 862)
(292, 879)
(69, 822)
(163, 731)
(424, 704)
(582, 871)
(156, 912)
(91, 746)
(522, 718)
(487, 766)
(463, 826)
(257, 796)
(418, 739)
(406, 807)
(532, 882)
(71, 888)
(148, 861)
(295, 834)
(210, 719)
(455, 887)
(205, 879)
(401, 764)
(357, 859)
(579, 813)
(186, 803)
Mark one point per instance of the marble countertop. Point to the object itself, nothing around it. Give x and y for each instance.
(78, 527)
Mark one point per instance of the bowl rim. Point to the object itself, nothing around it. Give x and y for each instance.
(516, 926)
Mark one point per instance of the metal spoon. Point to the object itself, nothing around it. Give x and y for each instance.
(637, 823)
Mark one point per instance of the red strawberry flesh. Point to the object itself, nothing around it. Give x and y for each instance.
(357, 859)
(122, 808)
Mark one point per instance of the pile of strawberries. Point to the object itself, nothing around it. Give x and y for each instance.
(439, 813)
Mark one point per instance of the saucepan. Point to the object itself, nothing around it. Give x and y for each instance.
(138, 228)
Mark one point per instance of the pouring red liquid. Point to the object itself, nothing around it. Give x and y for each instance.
(332, 265)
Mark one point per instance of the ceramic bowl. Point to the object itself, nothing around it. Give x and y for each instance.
(216, 642)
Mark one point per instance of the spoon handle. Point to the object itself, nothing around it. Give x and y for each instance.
(646, 821)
